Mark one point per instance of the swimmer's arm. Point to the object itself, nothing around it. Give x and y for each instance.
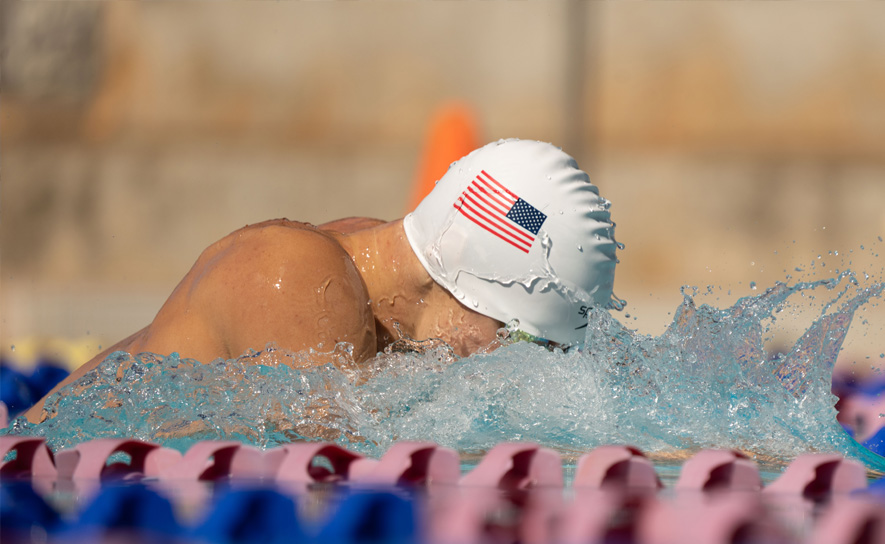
(35, 413)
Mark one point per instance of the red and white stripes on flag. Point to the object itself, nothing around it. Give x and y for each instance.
(501, 212)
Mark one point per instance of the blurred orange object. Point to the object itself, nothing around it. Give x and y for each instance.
(451, 135)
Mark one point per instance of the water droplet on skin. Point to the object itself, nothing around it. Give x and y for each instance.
(12, 347)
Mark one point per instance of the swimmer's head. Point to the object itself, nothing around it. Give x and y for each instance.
(515, 230)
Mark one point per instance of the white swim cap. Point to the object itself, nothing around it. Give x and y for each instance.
(515, 230)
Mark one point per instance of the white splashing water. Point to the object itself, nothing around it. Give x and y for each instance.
(706, 382)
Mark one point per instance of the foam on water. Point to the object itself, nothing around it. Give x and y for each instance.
(706, 382)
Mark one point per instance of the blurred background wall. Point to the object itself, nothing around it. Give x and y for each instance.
(738, 142)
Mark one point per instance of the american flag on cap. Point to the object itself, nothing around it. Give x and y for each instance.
(500, 211)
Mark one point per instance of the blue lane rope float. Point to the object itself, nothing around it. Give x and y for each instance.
(23, 513)
(19, 391)
(131, 508)
(247, 516)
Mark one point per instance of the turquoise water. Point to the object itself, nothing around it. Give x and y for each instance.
(707, 382)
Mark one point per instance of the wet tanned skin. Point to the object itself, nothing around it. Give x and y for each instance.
(301, 287)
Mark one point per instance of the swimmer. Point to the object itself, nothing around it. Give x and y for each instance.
(514, 233)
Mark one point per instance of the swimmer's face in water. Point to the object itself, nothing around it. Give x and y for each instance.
(469, 332)
(463, 329)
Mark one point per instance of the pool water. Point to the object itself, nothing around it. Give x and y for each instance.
(707, 382)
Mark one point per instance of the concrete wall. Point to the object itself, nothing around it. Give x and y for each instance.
(737, 141)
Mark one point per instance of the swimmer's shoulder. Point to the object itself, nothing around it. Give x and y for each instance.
(282, 281)
(272, 227)
(278, 236)
(269, 255)
(292, 234)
